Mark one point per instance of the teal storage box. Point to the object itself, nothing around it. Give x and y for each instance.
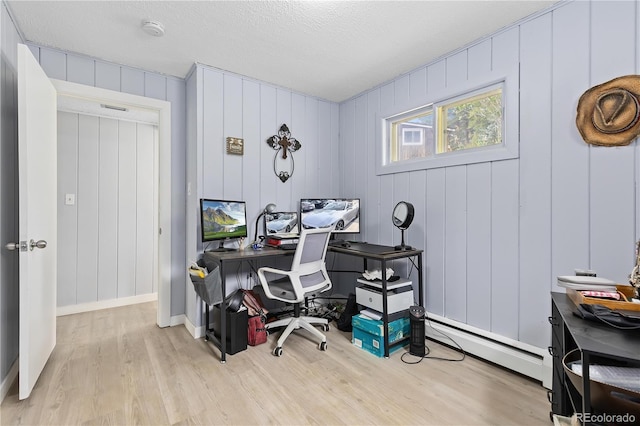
(367, 334)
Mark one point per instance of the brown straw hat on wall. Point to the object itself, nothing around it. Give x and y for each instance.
(609, 114)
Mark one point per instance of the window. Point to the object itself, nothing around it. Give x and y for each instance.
(463, 129)
(471, 122)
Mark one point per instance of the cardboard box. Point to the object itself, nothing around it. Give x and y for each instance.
(367, 334)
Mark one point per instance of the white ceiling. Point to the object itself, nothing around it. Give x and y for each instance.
(329, 49)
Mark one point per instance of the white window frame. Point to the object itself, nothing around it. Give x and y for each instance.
(420, 138)
(509, 148)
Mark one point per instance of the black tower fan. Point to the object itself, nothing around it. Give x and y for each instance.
(416, 340)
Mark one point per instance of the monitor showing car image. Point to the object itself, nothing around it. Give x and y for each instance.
(343, 213)
(279, 223)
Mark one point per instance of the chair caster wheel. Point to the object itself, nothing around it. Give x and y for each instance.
(277, 351)
(325, 327)
(323, 346)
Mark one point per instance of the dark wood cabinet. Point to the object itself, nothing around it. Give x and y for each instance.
(597, 343)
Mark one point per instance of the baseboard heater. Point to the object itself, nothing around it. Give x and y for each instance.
(520, 357)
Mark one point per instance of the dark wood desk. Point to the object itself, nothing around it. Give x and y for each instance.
(383, 254)
(223, 259)
(593, 340)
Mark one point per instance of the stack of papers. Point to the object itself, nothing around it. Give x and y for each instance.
(376, 274)
(586, 283)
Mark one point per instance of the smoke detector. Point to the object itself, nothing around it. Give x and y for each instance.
(154, 28)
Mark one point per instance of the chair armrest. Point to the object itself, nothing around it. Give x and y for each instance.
(265, 283)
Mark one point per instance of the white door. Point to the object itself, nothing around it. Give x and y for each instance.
(37, 172)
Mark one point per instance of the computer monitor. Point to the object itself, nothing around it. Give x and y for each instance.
(222, 220)
(344, 213)
(281, 223)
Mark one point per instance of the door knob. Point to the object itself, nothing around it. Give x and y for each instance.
(22, 246)
(39, 244)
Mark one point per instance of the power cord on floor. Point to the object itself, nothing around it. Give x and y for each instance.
(428, 351)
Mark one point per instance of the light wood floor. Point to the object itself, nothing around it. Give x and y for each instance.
(117, 367)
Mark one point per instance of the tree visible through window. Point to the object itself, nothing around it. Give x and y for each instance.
(471, 121)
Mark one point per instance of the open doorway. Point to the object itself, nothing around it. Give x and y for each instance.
(122, 199)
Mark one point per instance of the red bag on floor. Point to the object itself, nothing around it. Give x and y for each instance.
(257, 330)
(257, 333)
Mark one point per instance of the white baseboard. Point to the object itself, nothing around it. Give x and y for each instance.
(8, 381)
(177, 320)
(523, 358)
(196, 332)
(106, 304)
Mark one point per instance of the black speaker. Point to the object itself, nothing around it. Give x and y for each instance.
(416, 322)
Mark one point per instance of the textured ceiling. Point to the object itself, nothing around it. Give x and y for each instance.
(329, 49)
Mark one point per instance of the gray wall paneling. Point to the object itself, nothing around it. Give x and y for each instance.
(611, 184)
(67, 215)
(569, 154)
(222, 105)
(85, 70)
(497, 234)
(106, 236)
(87, 208)
(535, 177)
(108, 205)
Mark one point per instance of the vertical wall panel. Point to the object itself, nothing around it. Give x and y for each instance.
(80, 70)
(268, 127)
(53, 63)
(455, 247)
(108, 210)
(232, 125)
(87, 199)
(569, 153)
(479, 254)
(401, 92)
(251, 164)
(504, 248)
(132, 81)
(107, 76)
(127, 221)
(145, 232)
(435, 247)
(479, 59)
(417, 232)
(612, 169)
(299, 130)
(320, 181)
(535, 180)
(417, 86)
(212, 151)
(457, 68)
(155, 86)
(67, 214)
(370, 216)
(314, 146)
(347, 151)
(283, 108)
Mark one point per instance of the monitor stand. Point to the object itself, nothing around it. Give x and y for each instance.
(221, 248)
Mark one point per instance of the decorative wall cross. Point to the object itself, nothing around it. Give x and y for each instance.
(285, 143)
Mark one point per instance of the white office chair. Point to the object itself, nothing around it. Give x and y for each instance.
(308, 276)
